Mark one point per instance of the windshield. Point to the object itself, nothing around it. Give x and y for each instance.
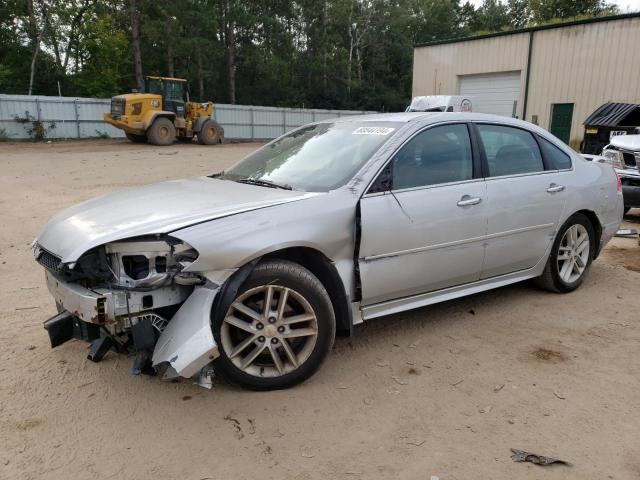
(166, 88)
(315, 158)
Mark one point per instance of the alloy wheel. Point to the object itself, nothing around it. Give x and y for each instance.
(573, 253)
(269, 331)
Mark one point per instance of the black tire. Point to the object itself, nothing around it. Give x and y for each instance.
(290, 275)
(162, 132)
(136, 138)
(550, 278)
(211, 133)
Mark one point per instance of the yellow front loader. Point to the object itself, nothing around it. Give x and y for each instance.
(164, 114)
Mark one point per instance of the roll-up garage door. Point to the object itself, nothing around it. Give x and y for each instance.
(492, 93)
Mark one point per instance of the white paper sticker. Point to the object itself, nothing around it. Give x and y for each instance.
(373, 131)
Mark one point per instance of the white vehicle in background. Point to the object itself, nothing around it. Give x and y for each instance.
(440, 103)
(623, 153)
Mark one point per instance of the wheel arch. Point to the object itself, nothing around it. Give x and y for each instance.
(314, 261)
(149, 120)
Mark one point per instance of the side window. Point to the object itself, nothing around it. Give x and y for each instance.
(437, 155)
(558, 159)
(510, 151)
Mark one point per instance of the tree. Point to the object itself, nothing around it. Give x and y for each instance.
(135, 43)
(353, 54)
(547, 10)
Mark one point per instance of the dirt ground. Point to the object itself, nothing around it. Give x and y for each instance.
(445, 390)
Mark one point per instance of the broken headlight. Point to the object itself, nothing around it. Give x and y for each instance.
(150, 263)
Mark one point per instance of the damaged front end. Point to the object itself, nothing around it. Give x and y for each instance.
(135, 297)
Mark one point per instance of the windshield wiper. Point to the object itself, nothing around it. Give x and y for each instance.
(263, 183)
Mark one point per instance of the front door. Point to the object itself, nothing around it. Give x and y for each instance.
(425, 232)
(561, 117)
(525, 199)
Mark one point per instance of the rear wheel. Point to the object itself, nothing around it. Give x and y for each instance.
(210, 133)
(277, 330)
(162, 132)
(136, 138)
(571, 256)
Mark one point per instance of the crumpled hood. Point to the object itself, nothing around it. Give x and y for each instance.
(156, 208)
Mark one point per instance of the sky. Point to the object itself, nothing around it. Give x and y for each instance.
(624, 5)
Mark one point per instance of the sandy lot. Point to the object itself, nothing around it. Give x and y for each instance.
(444, 390)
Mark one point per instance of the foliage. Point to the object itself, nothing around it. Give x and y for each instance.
(101, 134)
(298, 53)
(36, 129)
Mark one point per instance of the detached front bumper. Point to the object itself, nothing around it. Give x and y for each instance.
(183, 347)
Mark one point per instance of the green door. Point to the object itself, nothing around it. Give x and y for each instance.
(561, 116)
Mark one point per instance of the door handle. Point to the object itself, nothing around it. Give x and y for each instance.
(466, 201)
(553, 188)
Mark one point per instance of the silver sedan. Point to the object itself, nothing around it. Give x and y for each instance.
(251, 272)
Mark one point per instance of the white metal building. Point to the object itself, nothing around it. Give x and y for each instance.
(552, 75)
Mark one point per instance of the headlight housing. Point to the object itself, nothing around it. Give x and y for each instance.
(147, 263)
(613, 157)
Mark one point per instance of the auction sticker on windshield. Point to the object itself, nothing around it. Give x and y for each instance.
(373, 131)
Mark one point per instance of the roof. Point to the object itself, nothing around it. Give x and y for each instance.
(531, 29)
(430, 117)
(614, 114)
(400, 117)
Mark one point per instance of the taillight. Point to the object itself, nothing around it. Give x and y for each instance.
(618, 180)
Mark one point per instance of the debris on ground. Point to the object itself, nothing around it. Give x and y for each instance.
(627, 233)
(559, 395)
(497, 388)
(398, 381)
(522, 456)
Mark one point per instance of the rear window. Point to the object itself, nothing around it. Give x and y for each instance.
(510, 151)
(558, 159)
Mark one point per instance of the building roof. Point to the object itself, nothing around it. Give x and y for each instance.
(614, 114)
(531, 29)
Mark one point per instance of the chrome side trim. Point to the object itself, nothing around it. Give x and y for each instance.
(456, 243)
(519, 230)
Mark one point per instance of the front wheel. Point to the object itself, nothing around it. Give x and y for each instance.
(277, 330)
(162, 132)
(211, 133)
(571, 256)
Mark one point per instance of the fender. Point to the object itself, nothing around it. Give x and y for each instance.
(150, 117)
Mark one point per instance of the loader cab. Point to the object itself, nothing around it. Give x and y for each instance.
(173, 92)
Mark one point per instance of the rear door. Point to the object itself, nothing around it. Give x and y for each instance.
(525, 199)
